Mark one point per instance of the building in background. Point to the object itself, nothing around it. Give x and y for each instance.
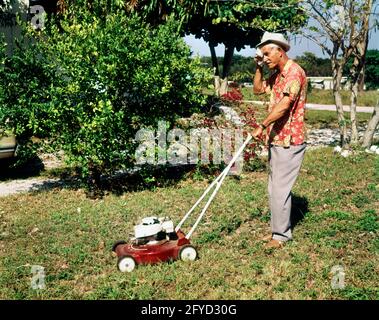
(326, 83)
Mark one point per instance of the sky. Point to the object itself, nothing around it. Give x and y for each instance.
(298, 47)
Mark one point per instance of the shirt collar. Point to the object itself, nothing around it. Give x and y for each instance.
(286, 68)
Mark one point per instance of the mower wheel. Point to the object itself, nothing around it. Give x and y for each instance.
(188, 253)
(126, 264)
(117, 243)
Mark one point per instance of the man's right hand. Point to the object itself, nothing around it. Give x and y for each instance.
(258, 57)
(257, 133)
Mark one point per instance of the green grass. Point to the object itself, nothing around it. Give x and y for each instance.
(339, 198)
(318, 96)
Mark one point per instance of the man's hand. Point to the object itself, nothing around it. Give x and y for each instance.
(257, 133)
(258, 58)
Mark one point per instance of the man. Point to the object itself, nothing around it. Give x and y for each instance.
(285, 129)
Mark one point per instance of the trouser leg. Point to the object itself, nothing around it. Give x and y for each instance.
(285, 165)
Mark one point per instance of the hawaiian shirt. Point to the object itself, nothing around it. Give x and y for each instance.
(290, 129)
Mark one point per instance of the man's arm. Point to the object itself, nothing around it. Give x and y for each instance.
(258, 86)
(277, 112)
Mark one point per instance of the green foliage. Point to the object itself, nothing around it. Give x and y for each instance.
(369, 221)
(210, 19)
(338, 215)
(232, 23)
(236, 24)
(87, 86)
(314, 66)
(355, 293)
(372, 69)
(241, 68)
(24, 84)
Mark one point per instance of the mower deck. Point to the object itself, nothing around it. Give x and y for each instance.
(161, 251)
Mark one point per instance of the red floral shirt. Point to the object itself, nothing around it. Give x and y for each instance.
(290, 129)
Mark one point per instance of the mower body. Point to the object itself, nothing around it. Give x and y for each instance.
(158, 251)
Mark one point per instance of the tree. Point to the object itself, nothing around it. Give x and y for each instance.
(313, 65)
(341, 29)
(235, 24)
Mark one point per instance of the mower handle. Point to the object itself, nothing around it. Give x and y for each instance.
(218, 181)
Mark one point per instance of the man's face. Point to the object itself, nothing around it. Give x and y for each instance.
(271, 55)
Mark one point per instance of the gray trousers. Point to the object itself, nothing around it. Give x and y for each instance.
(285, 165)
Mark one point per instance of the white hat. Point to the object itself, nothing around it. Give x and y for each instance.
(277, 38)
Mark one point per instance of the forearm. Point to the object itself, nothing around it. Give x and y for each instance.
(277, 112)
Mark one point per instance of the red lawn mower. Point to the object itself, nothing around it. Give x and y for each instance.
(156, 240)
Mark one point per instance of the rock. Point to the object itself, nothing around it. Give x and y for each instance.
(337, 149)
(345, 153)
(231, 115)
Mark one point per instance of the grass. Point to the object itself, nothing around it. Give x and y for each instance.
(318, 96)
(71, 237)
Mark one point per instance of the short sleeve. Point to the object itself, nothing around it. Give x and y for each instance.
(292, 89)
(268, 84)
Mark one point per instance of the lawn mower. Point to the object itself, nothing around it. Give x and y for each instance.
(156, 240)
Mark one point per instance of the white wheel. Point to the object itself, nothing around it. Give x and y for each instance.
(126, 264)
(188, 253)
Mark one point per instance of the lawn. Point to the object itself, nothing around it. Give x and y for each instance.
(71, 237)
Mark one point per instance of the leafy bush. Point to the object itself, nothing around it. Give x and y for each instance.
(234, 94)
(87, 85)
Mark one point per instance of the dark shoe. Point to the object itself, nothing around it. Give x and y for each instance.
(274, 244)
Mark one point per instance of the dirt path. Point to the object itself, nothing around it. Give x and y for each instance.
(27, 185)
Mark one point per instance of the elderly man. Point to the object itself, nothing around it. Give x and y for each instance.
(285, 129)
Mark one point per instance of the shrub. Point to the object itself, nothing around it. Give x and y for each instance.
(87, 86)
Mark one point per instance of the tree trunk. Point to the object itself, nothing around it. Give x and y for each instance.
(363, 55)
(216, 69)
(355, 72)
(362, 80)
(94, 187)
(337, 76)
(372, 124)
(217, 84)
(228, 57)
(221, 83)
(353, 114)
(223, 86)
